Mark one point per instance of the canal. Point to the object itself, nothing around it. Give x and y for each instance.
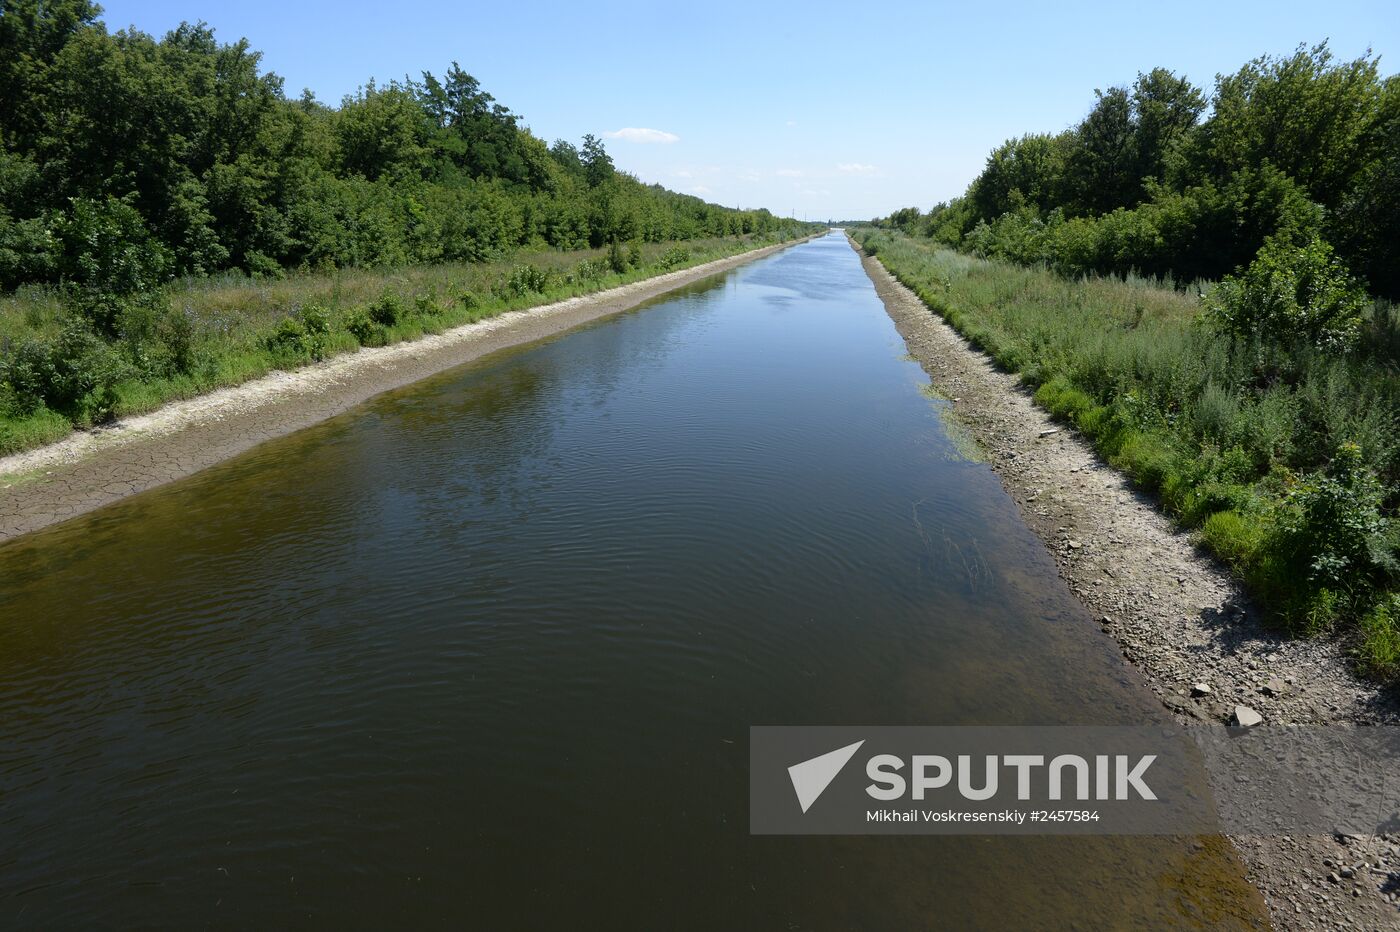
(485, 651)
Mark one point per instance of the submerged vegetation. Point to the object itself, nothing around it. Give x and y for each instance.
(170, 221)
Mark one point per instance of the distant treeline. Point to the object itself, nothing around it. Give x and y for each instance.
(126, 160)
(1162, 179)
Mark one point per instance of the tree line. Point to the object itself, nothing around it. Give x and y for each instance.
(1262, 407)
(1163, 179)
(126, 160)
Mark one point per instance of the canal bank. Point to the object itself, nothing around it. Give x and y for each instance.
(97, 467)
(487, 649)
(1177, 616)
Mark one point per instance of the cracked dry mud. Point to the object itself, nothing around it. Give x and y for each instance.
(1178, 616)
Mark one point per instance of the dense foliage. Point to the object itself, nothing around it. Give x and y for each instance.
(1298, 148)
(133, 167)
(1270, 420)
(181, 156)
(1265, 409)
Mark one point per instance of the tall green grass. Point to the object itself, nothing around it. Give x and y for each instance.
(223, 330)
(1289, 468)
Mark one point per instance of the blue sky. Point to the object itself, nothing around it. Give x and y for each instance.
(844, 110)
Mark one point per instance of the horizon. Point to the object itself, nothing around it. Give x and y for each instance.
(910, 126)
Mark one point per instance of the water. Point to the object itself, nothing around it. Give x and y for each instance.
(485, 651)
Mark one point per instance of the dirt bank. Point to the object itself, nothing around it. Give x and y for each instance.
(94, 468)
(1177, 615)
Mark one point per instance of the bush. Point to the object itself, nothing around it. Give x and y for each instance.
(427, 305)
(524, 280)
(76, 374)
(1331, 533)
(302, 336)
(617, 260)
(590, 271)
(28, 374)
(1291, 293)
(365, 331)
(316, 321)
(674, 257)
(387, 311)
(175, 334)
(288, 339)
(107, 248)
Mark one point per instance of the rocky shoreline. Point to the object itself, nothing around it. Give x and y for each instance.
(1181, 621)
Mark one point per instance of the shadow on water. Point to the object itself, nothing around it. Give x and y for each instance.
(487, 650)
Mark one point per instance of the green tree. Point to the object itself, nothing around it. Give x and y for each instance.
(1025, 172)
(1317, 120)
(1102, 159)
(597, 164)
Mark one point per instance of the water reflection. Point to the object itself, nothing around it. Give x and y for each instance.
(486, 650)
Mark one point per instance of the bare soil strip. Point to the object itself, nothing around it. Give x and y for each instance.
(1177, 615)
(94, 468)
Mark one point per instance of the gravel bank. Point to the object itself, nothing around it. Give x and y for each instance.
(94, 468)
(1177, 615)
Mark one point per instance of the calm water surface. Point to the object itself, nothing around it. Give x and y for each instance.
(485, 651)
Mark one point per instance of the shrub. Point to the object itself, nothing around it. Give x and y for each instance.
(674, 257)
(288, 339)
(365, 331)
(1291, 293)
(1331, 531)
(387, 311)
(176, 337)
(427, 305)
(590, 271)
(468, 301)
(76, 374)
(107, 248)
(617, 260)
(28, 374)
(316, 321)
(524, 280)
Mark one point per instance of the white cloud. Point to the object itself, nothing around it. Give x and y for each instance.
(642, 134)
(855, 168)
(700, 189)
(789, 173)
(791, 122)
(681, 173)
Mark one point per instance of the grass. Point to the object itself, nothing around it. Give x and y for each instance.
(240, 328)
(1287, 464)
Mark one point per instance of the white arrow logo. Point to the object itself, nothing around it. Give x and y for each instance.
(811, 777)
